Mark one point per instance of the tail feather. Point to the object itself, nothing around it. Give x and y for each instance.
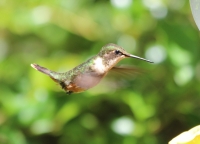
(41, 69)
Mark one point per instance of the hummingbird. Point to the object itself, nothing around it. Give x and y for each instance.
(91, 72)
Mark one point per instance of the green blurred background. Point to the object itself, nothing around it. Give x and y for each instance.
(150, 108)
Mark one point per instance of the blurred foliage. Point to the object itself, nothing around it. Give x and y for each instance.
(151, 108)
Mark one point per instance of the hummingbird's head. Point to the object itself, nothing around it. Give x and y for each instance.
(112, 53)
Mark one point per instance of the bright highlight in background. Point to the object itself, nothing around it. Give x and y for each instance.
(128, 42)
(41, 126)
(121, 3)
(156, 53)
(41, 14)
(152, 3)
(159, 12)
(123, 126)
(184, 75)
(157, 8)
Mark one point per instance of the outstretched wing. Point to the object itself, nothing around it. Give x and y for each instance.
(126, 70)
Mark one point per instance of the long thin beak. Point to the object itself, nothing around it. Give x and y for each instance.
(137, 57)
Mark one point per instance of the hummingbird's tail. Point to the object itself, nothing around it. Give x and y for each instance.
(53, 75)
(41, 69)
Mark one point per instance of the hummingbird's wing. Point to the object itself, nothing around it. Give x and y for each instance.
(126, 70)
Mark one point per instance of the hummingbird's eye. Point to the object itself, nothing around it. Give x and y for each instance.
(117, 52)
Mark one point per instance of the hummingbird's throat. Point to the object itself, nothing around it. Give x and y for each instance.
(103, 65)
(99, 65)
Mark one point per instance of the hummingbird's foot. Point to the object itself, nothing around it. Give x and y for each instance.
(63, 85)
(69, 92)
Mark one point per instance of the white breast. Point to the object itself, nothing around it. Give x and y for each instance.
(98, 65)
